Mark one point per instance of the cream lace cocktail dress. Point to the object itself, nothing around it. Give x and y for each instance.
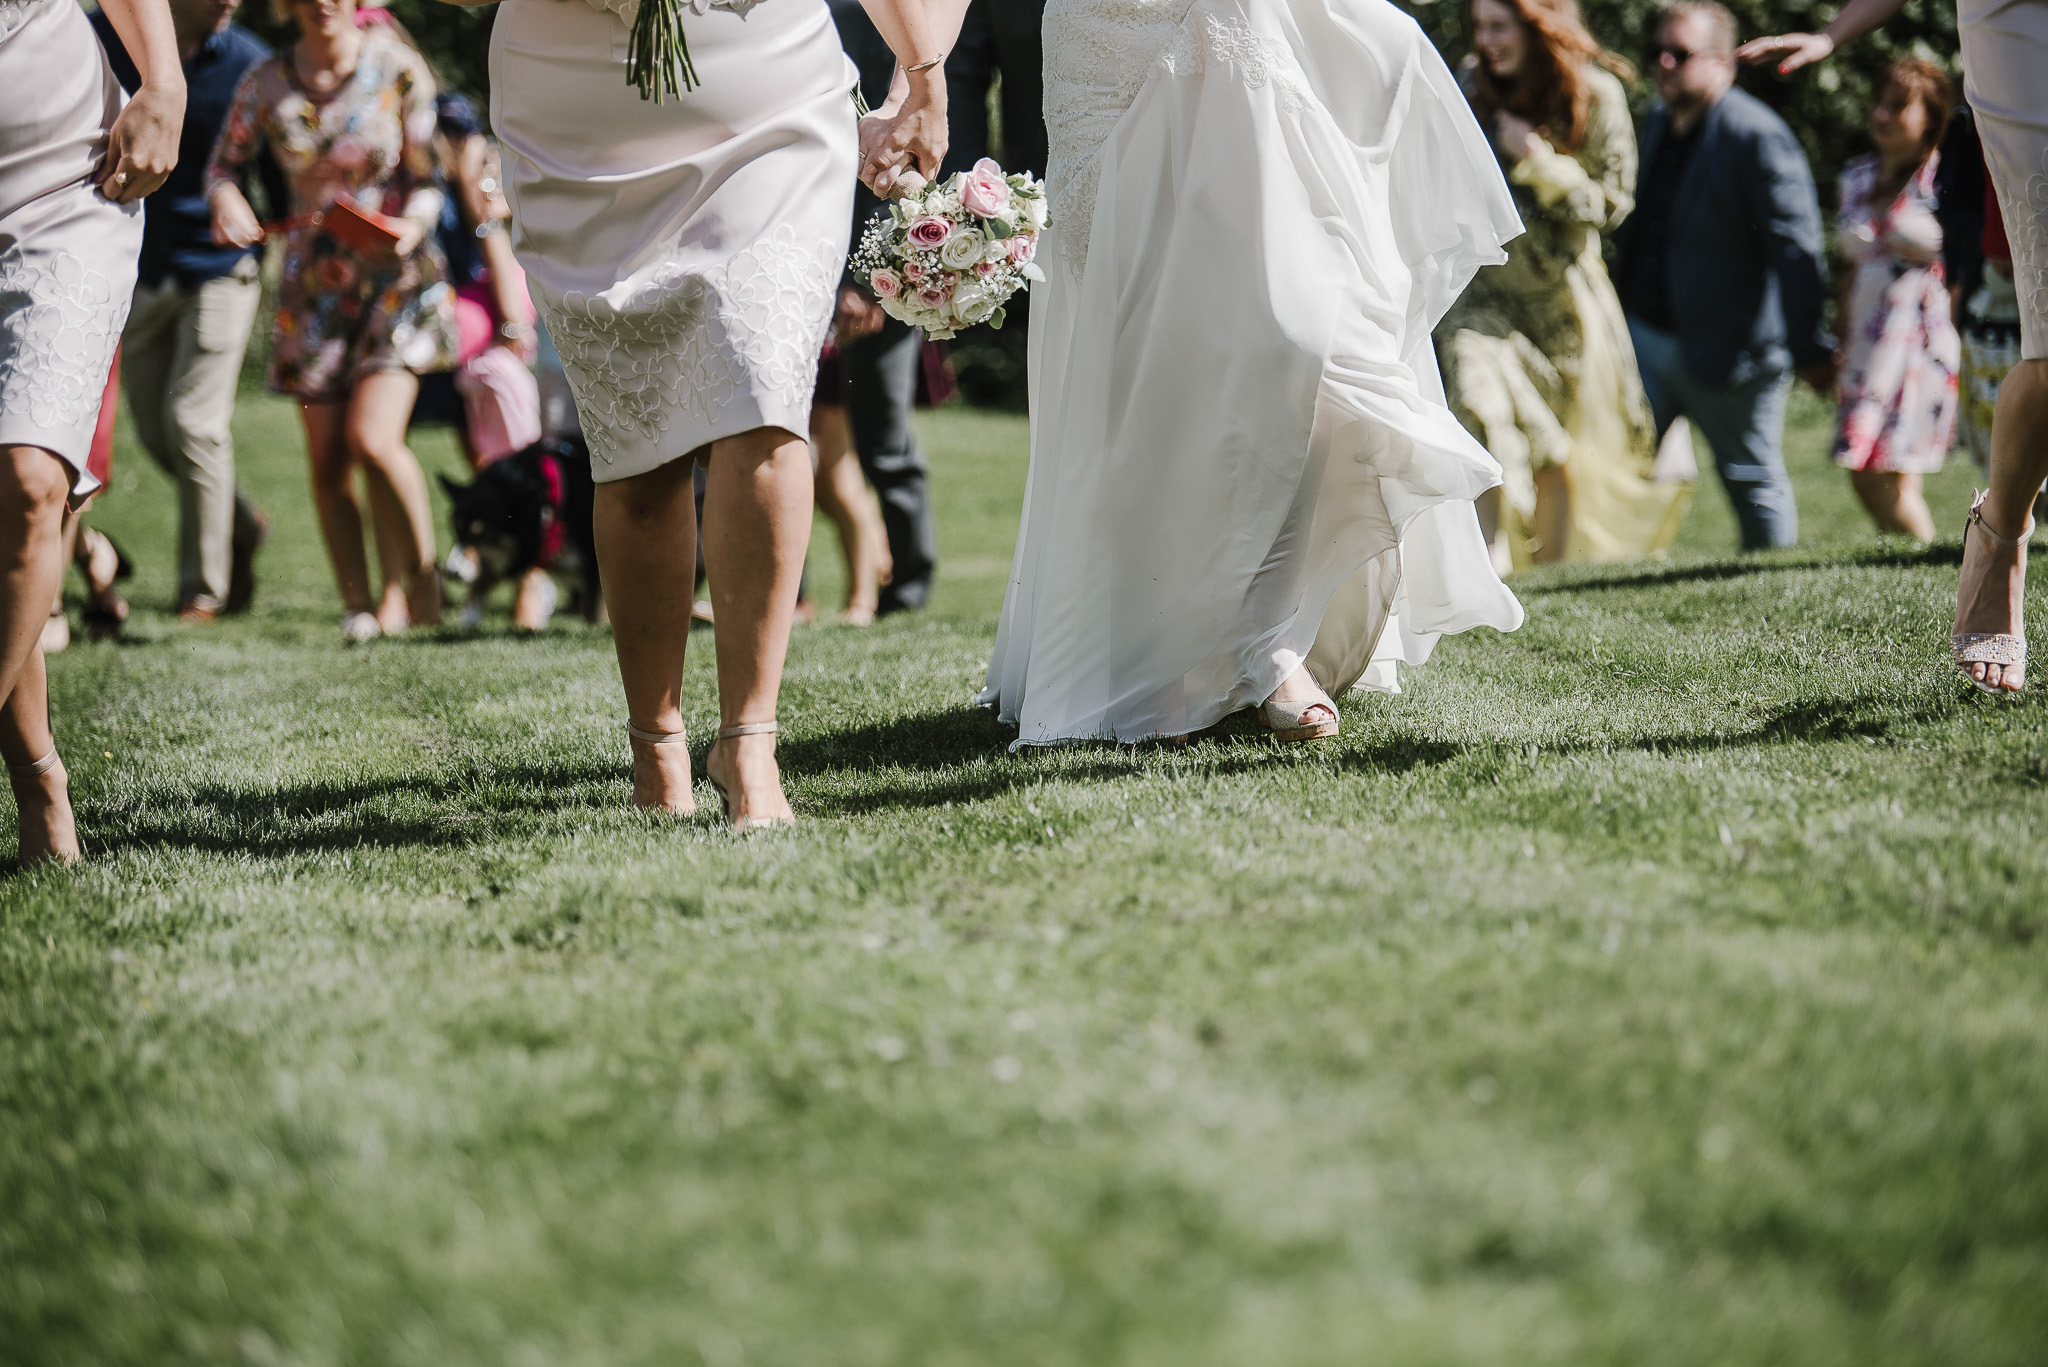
(684, 255)
(67, 252)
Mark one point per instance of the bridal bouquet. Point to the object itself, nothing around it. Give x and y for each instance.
(949, 256)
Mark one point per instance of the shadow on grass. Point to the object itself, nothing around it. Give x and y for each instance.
(337, 814)
(1591, 580)
(910, 763)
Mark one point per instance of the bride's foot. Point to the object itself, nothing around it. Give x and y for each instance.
(1990, 638)
(42, 799)
(743, 771)
(661, 771)
(1299, 710)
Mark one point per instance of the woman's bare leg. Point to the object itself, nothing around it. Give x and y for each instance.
(1895, 502)
(34, 485)
(377, 414)
(42, 801)
(1488, 506)
(394, 551)
(334, 498)
(844, 497)
(1551, 529)
(1990, 595)
(757, 513)
(646, 529)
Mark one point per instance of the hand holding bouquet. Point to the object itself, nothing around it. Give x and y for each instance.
(950, 256)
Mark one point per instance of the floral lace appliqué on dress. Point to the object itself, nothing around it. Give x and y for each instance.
(690, 343)
(65, 321)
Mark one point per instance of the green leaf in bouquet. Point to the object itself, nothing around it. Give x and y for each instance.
(999, 228)
(998, 318)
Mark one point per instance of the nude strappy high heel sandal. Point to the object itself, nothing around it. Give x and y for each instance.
(1990, 647)
(751, 823)
(19, 773)
(662, 738)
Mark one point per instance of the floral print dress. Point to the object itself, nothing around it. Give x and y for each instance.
(1897, 396)
(341, 314)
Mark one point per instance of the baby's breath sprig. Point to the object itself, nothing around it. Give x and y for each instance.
(657, 54)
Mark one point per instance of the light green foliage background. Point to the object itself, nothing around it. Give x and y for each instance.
(1664, 982)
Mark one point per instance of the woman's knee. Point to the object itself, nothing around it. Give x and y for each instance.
(36, 482)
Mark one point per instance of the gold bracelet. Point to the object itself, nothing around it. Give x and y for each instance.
(924, 66)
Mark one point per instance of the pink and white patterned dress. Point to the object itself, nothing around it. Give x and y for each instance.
(1898, 392)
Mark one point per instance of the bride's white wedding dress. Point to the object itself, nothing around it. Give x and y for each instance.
(1240, 456)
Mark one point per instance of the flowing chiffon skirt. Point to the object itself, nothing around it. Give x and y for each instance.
(1241, 456)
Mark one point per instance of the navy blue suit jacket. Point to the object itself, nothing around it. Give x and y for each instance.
(1745, 267)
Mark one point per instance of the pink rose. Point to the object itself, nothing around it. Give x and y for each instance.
(929, 232)
(886, 284)
(985, 269)
(934, 298)
(1023, 247)
(913, 269)
(983, 191)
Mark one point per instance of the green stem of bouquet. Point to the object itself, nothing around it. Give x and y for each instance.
(657, 54)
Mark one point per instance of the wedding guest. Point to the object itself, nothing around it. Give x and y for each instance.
(349, 113)
(1721, 268)
(841, 490)
(491, 396)
(75, 164)
(98, 560)
(195, 302)
(1990, 327)
(1536, 352)
(1001, 51)
(1896, 397)
(1977, 260)
(879, 370)
(2005, 50)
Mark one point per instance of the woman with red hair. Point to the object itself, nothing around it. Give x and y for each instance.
(1536, 354)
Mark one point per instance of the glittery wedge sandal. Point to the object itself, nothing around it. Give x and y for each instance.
(1991, 647)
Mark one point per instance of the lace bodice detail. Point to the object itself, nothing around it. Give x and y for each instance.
(1097, 56)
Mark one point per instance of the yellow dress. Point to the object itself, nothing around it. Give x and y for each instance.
(1537, 359)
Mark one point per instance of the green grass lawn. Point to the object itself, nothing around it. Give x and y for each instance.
(1663, 983)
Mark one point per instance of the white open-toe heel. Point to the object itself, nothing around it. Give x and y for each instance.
(751, 823)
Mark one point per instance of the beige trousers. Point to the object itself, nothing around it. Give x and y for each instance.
(181, 358)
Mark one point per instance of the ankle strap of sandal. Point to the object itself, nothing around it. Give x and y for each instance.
(657, 737)
(751, 728)
(35, 769)
(2011, 543)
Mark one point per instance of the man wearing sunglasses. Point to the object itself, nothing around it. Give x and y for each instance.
(1721, 267)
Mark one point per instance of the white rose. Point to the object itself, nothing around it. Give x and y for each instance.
(997, 252)
(977, 310)
(962, 251)
(1035, 214)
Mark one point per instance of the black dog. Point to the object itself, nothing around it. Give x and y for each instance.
(529, 509)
